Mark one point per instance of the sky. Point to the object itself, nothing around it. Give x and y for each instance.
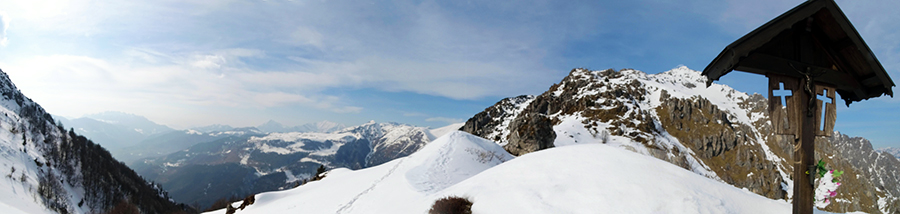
(427, 63)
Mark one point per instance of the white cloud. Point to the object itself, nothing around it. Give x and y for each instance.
(77, 85)
(208, 61)
(307, 36)
(4, 25)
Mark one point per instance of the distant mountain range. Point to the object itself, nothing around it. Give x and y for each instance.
(319, 127)
(239, 163)
(890, 150)
(132, 137)
(115, 130)
(202, 164)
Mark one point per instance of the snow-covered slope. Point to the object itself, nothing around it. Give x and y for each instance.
(597, 178)
(439, 132)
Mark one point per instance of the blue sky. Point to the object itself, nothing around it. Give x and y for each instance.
(427, 63)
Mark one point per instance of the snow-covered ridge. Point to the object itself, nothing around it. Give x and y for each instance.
(439, 132)
(596, 178)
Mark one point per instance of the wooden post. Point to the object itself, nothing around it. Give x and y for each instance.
(804, 155)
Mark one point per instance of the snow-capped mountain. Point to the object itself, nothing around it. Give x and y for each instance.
(167, 143)
(715, 131)
(597, 178)
(254, 161)
(890, 150)
(318, 127)
(321, 126)
(51, 170)
(212, 128)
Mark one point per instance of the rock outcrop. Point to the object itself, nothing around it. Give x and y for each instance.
(530, 132)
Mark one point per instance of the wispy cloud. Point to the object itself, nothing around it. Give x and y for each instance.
(69, 78)
(4, 24)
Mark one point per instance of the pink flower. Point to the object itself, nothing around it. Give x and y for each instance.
(832, 194)
(826, 201)
(838, 183)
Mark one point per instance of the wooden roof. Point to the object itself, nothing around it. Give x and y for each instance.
(814, 36)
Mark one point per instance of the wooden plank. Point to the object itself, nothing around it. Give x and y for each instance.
(784, 116)
(830, 111)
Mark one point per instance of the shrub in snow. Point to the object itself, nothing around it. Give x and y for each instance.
(221, 203)
(249, 200)
(320, 173)
(229, 209)
(451, 205)
(827, 185)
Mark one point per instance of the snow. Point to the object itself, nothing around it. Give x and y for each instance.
(297, 136)
(597, 178)
(452, 159)
(14, 210)
(18, 189)
(438, 132)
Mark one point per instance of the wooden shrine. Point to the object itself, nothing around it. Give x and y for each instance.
(810, 54)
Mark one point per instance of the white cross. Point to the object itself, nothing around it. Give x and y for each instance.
(783, 93)
(825, 100)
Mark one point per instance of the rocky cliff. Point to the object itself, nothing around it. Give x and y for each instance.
(714, 131)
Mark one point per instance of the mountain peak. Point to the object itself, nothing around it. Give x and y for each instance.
(114, 117)
(270, 122)
(271, 126)
(115, 129)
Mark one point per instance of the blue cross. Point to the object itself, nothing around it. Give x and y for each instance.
(825, 100)
(783, 93)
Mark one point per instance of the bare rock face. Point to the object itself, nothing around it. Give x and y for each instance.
(493, 122)
(870, 177)
(530, 132)
(724, 145)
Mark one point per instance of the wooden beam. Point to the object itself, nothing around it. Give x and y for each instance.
(764, 63)
(871, 81)
(804, 157)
